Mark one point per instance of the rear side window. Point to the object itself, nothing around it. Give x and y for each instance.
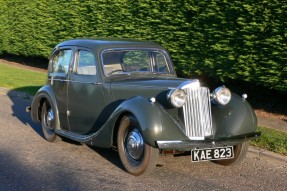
(161, 63)
(61, 61)
(86, 64)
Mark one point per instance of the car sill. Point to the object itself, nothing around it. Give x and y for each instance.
(75, 137)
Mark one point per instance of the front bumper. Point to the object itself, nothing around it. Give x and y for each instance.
(185, 145)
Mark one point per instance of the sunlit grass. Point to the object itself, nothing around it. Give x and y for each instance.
(21, 79)
(272, 140)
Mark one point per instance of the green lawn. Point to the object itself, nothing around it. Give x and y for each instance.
(21, 79)
(272, 140)
(30, 81)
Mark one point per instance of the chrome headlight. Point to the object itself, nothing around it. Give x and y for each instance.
(221, 95)
(177, 97)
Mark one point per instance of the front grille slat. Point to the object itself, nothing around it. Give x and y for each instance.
(197, 113)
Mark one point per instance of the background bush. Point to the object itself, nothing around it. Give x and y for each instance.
(223, 39)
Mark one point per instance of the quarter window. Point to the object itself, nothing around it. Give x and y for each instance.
(160, 62)
(86, 63)
(61, 62)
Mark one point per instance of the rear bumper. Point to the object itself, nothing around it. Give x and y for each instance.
(207, 143)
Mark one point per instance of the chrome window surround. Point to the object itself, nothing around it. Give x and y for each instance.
(168, 60)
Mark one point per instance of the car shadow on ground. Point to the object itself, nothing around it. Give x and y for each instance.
(20, 101)
(110, 155)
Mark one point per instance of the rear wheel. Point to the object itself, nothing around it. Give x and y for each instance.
(137, 157)
(240, 151)
(48, 123)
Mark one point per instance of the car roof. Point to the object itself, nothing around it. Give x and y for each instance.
(105, 43)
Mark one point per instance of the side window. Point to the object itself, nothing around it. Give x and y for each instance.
(86, 64)
(160, 62)
(112, 62)
(61, 62)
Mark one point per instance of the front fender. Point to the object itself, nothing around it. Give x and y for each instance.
(235, 118)
(44, 93)
(155, 122)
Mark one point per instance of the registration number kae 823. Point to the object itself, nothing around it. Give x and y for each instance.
(218, 153)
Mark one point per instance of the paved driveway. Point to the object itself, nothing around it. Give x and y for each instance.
(28, 162)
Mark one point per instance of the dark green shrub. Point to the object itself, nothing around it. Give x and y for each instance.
(243, 40)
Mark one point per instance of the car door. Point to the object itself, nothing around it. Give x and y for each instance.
(58, 77)
(85, 94)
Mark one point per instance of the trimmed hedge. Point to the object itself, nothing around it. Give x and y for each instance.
(223, 39)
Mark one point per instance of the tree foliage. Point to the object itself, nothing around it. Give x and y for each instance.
(224, 39)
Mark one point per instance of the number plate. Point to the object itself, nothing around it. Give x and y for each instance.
(218, 153)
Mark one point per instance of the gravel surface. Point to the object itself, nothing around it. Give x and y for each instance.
(28, 162)
(271, 120)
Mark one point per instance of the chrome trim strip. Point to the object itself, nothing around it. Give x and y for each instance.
(58, 80)
(188, 83)
(95, 83)
(149, 87)
(74, 81)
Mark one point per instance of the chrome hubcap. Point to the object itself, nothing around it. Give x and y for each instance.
(135, 144)
(50, 119)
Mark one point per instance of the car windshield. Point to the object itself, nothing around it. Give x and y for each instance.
(131, 61)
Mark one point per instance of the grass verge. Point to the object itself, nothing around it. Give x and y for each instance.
(30, 81)
(272, 140)
(21, 79)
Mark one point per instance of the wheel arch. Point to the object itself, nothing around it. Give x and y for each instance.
(155, 123)
(137, 157)
(117, 125)
(145, 113)
(40, 108)
(45, 94)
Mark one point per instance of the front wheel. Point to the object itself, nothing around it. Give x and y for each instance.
(240, 151)
(137, 157)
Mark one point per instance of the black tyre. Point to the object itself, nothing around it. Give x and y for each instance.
(48, 123)
(138, 158)
(240, 151)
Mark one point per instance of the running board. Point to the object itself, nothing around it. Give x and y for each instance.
(75, 136)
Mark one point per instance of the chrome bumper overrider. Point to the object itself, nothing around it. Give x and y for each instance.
(207, 143)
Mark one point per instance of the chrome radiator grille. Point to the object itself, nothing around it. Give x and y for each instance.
(197, 113)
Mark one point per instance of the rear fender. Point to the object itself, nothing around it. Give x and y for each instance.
(45, 93)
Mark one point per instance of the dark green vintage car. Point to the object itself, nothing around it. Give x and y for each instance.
(125, 94)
